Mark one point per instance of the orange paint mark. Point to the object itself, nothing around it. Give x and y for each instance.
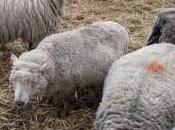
(155, 67)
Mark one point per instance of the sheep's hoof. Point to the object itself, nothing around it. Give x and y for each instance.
(63, 113)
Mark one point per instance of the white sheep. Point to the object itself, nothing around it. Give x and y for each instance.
(30, 20)
(66, 62)
(164, 27)
(139, 91)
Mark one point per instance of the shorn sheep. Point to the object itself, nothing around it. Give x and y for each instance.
(164, 27)
(30, 20)
(139, 91)
(66, 62)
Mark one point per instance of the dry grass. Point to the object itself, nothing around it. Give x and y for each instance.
(136, 15)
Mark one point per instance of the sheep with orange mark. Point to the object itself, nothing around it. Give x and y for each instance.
(139, 91)
(155, 67)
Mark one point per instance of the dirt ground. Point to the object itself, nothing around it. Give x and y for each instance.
(136, 15)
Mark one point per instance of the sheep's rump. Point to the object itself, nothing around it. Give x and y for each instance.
(30, 20)
(163, 29)
(138, 91)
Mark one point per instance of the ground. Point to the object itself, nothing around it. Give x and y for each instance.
(136, 15)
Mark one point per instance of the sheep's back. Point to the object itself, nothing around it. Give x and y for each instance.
(136, 99)
(166, 11)
(83, 55)
(30, 20)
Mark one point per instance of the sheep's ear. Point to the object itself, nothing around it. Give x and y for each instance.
(155, 34)
(13, 58)
(45, 67)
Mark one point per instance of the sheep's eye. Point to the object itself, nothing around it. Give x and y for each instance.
(164, 22)
(33, 83)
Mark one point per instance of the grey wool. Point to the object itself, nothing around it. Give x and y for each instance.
(66, 62)
(139, 91)
(163, 29)
(30, 20)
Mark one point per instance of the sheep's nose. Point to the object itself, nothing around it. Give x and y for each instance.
(20, 103)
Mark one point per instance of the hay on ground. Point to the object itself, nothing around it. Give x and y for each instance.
(136, 15)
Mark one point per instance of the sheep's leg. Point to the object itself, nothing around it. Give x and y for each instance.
(97, 93)
(32, 46)
(67, 105)
(66, 108)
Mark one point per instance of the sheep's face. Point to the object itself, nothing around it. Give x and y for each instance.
(27, 80)
(167, 28)
(168, 34)
(164, 29)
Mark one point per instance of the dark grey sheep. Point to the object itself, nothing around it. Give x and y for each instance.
(164, 27)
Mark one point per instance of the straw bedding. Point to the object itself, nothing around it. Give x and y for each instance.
(136, 15)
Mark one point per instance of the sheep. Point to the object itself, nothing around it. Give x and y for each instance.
(30, 20)
(139, 92)
(164, 27)
(66, 62)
